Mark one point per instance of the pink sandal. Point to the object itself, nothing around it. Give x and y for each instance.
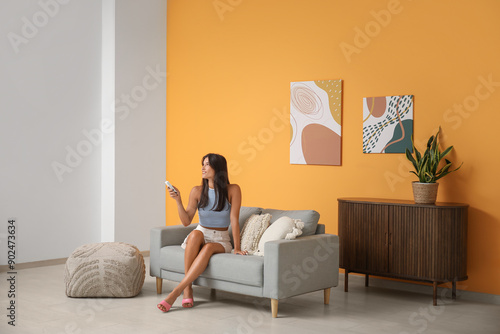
(187, 302)
(166, 305)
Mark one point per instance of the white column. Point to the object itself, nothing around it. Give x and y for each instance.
(108, 122)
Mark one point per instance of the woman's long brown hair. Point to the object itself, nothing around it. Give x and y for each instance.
(221, 182)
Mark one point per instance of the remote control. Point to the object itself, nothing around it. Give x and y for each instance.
(170, 186)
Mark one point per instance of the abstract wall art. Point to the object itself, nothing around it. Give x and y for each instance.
(315, 120)
(387, 124)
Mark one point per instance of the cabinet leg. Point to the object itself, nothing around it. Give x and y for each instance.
(346, 280)
(159, 284)
(434, 293)
(454, 290)
(367, 278)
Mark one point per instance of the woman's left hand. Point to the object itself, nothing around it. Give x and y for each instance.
(240, 252)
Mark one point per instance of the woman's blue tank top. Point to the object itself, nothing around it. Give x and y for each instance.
(214, 219)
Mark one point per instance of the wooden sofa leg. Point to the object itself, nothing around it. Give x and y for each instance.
(274, 308)
(159, 284)
(327, 296)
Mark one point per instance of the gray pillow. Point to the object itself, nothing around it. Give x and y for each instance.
(309, 217)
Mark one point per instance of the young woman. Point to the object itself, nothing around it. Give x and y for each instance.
(218, 204)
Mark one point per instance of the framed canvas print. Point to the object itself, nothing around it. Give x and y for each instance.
(387, 124)
(315, 120)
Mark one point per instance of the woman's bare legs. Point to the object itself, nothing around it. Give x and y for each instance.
(193, 246)
(197, 267)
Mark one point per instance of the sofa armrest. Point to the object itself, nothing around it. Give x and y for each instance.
(306, 264)
(165, 236)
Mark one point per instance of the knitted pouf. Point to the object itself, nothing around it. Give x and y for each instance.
(107, 269)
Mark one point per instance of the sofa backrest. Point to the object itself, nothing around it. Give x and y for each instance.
(309, 217)
(320, 229)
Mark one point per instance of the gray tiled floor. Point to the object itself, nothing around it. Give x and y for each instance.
(42, 307)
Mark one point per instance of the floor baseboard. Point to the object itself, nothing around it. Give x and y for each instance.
(45, 263)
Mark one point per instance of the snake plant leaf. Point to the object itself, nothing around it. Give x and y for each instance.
(426, 153)
(423, 162)
(429, 142)
(445, 152)
(457, 167)
(435, 142)
(428, 178)
(412, 160)
(442, 175)
(423, 170)
(418, 156)
(444, 169)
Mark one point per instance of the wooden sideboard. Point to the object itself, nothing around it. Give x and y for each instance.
(401, 239)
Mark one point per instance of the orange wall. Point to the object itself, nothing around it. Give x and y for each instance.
(229, 73)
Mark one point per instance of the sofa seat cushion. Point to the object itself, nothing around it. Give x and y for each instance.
(242, 269)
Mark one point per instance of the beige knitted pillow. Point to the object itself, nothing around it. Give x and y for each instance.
(252, 231)
(106, 269)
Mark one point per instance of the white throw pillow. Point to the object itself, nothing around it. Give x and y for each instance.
(282, 228)
(252, 231)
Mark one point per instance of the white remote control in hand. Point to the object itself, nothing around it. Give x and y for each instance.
(170, 186)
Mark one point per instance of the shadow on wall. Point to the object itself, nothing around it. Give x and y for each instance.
(483, 229)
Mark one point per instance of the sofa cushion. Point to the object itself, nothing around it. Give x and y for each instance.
(309, 217)
(283, 228)
(245, 213)
(248, 270)
(252, 232)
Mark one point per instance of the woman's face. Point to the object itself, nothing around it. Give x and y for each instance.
(207, 171)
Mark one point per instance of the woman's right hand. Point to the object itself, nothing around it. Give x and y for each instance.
(174, 194)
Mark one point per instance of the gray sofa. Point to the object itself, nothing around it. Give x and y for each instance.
(289, 267)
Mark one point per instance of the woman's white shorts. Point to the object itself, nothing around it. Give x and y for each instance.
(221, 237)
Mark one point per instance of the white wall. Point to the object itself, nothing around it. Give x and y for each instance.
(50, 93)
(140, 150)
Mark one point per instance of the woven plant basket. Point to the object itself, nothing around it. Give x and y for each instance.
(425, 193)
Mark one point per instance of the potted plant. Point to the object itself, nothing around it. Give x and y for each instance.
(427, 169)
